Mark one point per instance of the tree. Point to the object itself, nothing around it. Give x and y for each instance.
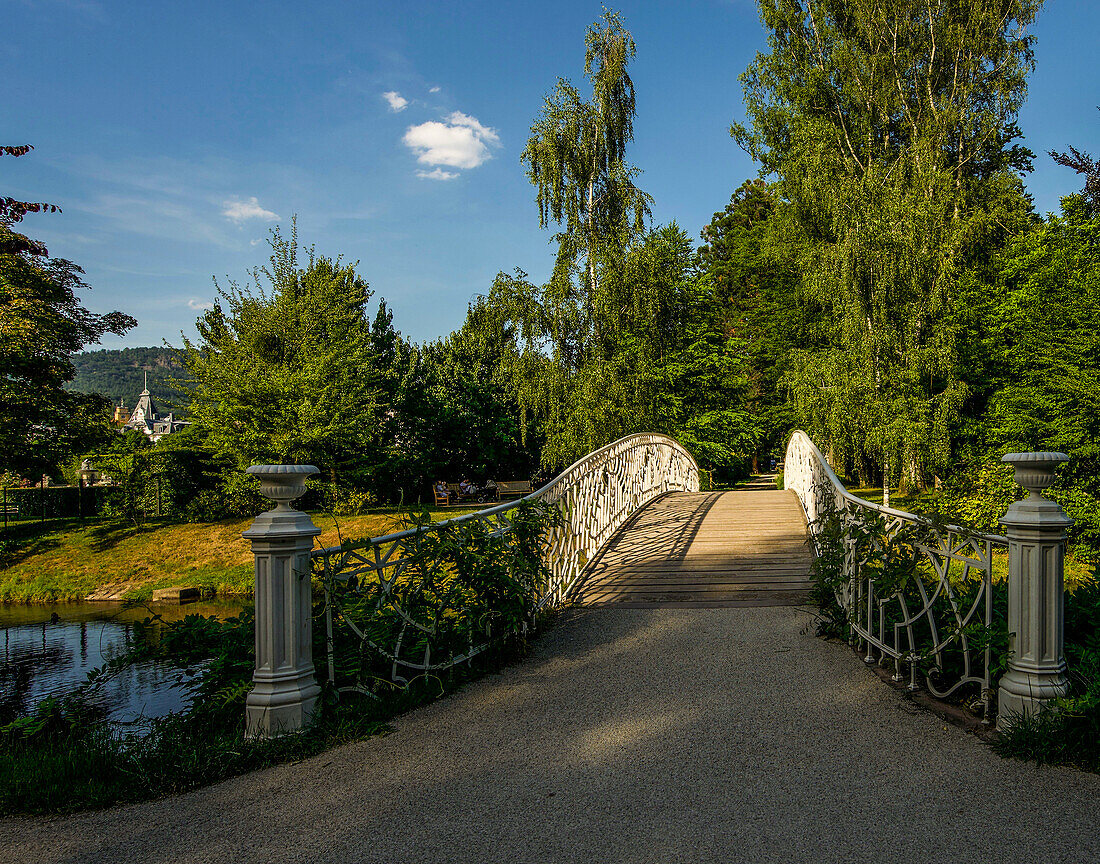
(456, 412)
(1045, 340)
(1083, 164)
(889, 127)
(750, 263)
(576, 158)
(41, 324)
(566, 329)
(286, 369)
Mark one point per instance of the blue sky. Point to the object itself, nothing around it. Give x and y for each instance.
(175, 135)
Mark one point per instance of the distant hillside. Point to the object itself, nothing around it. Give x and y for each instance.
(121, 375)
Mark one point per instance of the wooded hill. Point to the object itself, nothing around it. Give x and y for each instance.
(120, 374)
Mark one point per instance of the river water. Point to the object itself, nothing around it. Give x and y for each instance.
(48, 650)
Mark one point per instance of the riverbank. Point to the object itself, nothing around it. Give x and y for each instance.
(117, 561)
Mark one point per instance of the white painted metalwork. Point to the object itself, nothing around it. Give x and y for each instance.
(939, 622)
(595, 497)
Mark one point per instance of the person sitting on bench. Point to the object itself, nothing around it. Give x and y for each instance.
(442, 493)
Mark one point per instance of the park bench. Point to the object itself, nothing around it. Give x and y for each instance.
(445, 500)
(513, 488)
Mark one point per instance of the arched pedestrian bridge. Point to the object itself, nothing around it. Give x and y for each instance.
(628, 526)
(630, 733)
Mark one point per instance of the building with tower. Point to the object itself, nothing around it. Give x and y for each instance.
(148, 419)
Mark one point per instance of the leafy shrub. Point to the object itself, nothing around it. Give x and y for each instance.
(1067, 731)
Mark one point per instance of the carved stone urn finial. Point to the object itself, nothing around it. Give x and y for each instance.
(282, 483)
(1035, 471)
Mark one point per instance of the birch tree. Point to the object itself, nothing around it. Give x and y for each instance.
(576, 159)
(889, 125)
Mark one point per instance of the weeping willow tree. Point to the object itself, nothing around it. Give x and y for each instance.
(889, 126)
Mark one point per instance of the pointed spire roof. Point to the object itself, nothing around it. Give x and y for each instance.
(145, 412)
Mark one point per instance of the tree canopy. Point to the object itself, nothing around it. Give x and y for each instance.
(287, 368)
(889, 128)
(42, 322)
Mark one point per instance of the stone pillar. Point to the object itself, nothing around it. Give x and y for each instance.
(1036, 529)
(284, 693)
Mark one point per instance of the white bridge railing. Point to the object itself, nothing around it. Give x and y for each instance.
(919, 593)
(399, 601)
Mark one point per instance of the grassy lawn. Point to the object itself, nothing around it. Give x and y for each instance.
(110, 559)
(1078, 572)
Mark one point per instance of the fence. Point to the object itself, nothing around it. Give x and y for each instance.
(920, 594)
(22, 505)
(404, 598)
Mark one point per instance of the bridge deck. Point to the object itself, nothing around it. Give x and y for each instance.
(743, 548)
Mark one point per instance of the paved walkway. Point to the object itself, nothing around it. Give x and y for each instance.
(631, 735)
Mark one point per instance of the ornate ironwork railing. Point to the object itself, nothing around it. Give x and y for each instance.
(914, 591)
(398, 596)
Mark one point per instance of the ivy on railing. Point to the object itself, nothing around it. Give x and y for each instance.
(901, 587)
(420, 603)
(432, 598)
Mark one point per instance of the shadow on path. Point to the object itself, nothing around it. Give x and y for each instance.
(629, 735)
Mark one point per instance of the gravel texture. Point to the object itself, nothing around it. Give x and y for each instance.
(663, 735)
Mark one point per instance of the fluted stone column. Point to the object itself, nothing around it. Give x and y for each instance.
(284, 693)
(1036, 529)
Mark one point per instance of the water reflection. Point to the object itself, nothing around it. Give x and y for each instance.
(48, 650)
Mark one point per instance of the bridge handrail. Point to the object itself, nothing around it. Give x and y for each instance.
(928, 623)
(595, 495)
(538, 494)
(842, 493)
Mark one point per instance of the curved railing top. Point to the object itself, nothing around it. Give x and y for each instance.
(577, 468)
(416, 598)
(799, 438)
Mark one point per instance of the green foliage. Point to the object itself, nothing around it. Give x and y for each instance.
(1045, 341)
(463, 584)
(119, 375)
(181, 477)
(891, 561)
(664, 360)
(288, 369)
(889, 127)
(829, 575)
(456, 410)
(43, 322)
(1067, 731)
(576, 159)
(626, 340)
(749, 263)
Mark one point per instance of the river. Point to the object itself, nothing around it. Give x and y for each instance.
(49, 648)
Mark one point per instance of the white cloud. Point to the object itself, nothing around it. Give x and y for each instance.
(459, 142)
(437, 174)
(396, 100)
(434, 89)
(239, 211)
(199, 305)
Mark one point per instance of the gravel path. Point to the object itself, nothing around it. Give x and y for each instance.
(661, 735)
